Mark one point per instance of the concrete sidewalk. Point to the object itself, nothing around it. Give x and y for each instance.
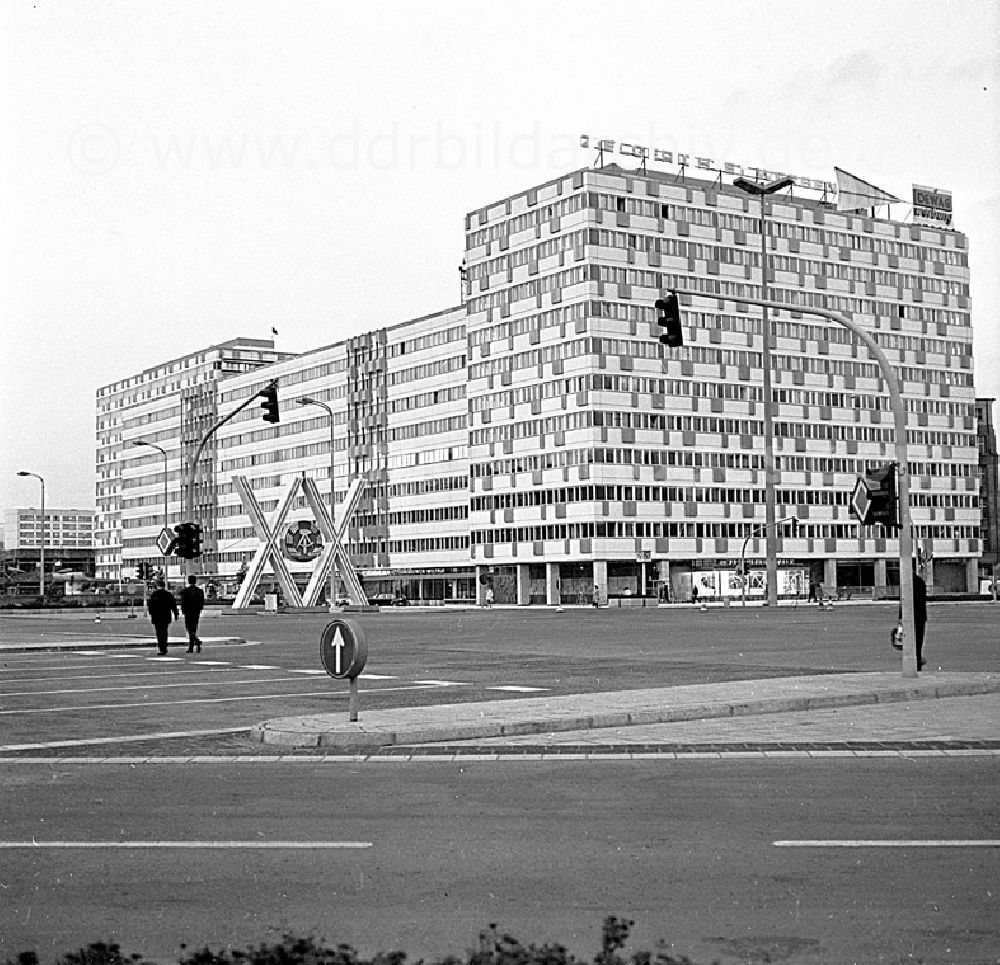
(610, 717)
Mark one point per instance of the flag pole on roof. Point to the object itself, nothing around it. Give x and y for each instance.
(856, 194)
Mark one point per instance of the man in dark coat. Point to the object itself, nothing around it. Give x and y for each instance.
(162, 609)
(919, 613)
(192, 603)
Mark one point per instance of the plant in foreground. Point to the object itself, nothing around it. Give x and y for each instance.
(494, 949)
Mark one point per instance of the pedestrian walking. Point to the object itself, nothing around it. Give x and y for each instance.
(192, 603)
(489, 596)
(694, 593)
(162, 609)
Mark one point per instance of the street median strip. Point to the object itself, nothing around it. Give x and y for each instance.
(537, 715)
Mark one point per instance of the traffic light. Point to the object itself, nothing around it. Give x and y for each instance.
(793, 527)
(883, 505)
(670, 319)
(143, 568)
(188, 540)
(270, 403)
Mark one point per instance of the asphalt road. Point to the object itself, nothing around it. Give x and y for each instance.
(420, 856)
(427, 657)
(720, 860)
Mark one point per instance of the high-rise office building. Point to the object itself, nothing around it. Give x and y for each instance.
(538, 439)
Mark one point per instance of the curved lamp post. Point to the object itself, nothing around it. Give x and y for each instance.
(166, 504)
(334, 573)
(41, 541)
(770, 533)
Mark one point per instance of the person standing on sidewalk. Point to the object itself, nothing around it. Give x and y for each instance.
(162, 609)
(919, 614)
(192, 603)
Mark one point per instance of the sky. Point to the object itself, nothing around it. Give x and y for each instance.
(176, 174)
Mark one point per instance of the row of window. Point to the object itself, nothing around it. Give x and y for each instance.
(680, 530)
(421, 343)
(425, 457)
(698, 459)
(419, 487)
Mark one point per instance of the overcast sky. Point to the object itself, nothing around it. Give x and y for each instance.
(181, 173)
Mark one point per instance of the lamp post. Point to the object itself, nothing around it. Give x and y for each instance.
(334, 573)
(41, 541)
(762, 190)
(166, 498)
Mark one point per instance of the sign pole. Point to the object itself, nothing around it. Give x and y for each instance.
(352, 700)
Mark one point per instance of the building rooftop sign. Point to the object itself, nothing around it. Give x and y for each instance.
(931, 206)
(644, 153)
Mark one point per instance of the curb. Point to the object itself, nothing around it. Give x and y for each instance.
(525, 717)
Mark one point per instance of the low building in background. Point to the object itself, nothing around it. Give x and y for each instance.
(69, 542)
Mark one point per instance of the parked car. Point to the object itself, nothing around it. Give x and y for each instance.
(387, 599)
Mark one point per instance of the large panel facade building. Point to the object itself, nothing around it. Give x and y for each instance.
(539, 440)
(170, 406)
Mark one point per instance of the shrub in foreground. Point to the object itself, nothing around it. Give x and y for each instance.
(494, 949)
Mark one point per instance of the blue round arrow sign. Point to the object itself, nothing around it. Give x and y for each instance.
(342, 649)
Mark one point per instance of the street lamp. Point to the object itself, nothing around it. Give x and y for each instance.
(762, 190)
(166, 504)
(41, 542)
(334, 572)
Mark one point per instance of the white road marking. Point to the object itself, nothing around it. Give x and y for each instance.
(211, 663)
(442, 683)
(369, 676)
(258, 666)
(99, 741)
(110, 676)
(206, 700)
(179, 683)
(515, 688)
(206, 845)
(162, 659)
(912, 843)
(318, 672)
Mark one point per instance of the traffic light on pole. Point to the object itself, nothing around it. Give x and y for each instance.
(883, 505)
(188, 540)
(270, 403)
(793, 527)
(670, 318)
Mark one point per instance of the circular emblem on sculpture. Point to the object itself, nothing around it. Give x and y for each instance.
(303, 542)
